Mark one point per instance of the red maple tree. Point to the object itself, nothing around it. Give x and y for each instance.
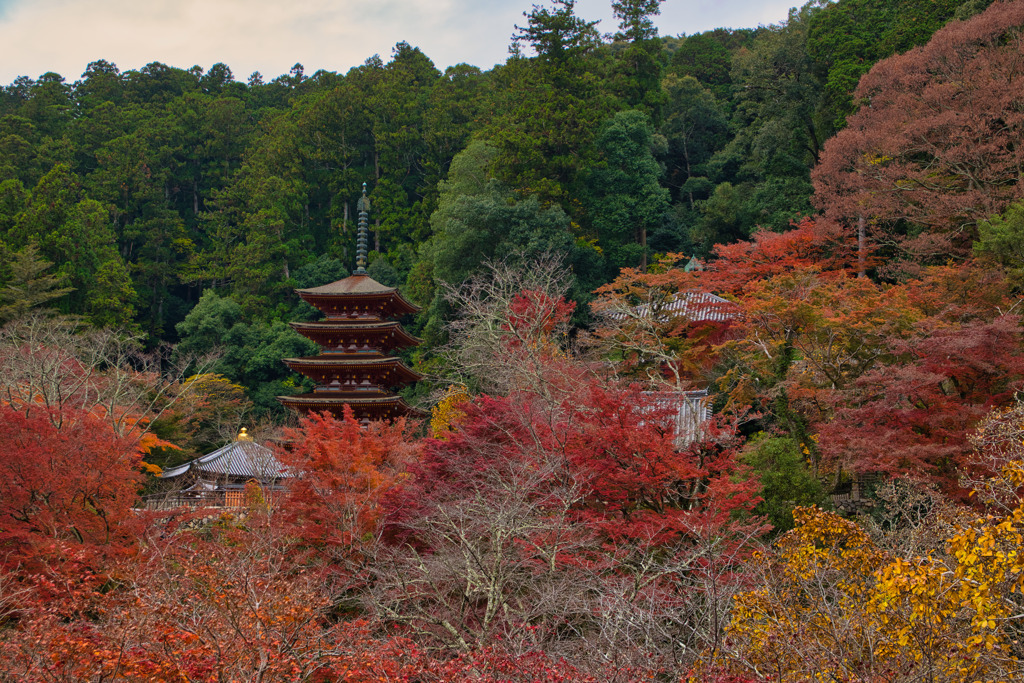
(63, 489)
(935, 143)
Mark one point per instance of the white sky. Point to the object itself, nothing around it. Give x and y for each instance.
(37, 36)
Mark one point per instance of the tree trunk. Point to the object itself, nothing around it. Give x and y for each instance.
(643, 245)
(861, 247)
(689, 173)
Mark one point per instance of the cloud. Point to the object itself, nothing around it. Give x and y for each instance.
(270, 36)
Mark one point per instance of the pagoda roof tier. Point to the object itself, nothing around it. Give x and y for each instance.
(389, 333)
(378, 407)
(351, 363)
(357, 288)
(353, 284)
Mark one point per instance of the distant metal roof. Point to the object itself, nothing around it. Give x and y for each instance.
(695, 306)
(696, 400)
(246, 459)
(690, 411)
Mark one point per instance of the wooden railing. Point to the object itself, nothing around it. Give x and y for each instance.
(204, 499)
(857, 489)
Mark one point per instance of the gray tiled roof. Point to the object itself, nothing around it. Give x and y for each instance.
(246, 459)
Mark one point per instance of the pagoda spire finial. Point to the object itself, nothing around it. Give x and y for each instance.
(364, 224)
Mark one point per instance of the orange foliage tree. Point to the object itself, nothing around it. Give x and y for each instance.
(341, 473)
(868, 376)
(227, 605)
(643, 325)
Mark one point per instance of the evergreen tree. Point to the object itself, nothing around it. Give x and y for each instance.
(635, 23)
(29, 285)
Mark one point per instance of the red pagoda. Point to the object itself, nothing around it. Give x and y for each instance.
(358, 339)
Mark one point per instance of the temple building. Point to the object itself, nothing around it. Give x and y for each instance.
(358, 339)
(218, 479)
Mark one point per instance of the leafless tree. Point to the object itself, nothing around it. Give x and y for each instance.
(495, 565)
(12, 594)
(998, 442)
(489, 350)
(912, 519)
(637, 327)
(61, 364)
(668, 607)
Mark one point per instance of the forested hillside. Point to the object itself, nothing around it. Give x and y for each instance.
(818, 223)
(149, 189)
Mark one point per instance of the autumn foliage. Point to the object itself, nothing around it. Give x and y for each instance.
(572, 513)
(64, 491)
(614, 446)
(341, 474)
(870, 376)
(831, 601)
(569, 516)
(935, 145)
(192, 609)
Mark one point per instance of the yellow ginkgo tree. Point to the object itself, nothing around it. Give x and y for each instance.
(828, 604)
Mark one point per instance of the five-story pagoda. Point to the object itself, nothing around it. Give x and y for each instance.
(357, 338)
